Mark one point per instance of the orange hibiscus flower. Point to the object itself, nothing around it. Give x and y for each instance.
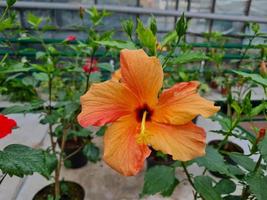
(141, 118)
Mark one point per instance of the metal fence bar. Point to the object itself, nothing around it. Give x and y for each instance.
(135, 10)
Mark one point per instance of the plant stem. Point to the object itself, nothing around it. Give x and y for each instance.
(171, 53)
(58, 169)
(73, 153)
(189, 178)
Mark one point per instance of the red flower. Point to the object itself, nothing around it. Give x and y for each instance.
(70, 38)
(261, 134)
(90, 67)
(6, 125)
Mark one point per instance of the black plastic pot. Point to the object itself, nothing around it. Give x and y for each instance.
(78, 159)
(154, 160)
(228, 147)
(69, 191)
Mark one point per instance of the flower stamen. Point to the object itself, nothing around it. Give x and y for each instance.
(143, 136)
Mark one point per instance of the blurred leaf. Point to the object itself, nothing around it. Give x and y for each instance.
(81, 133)
(34, 20)
(232, 197)
(101, 131)
(168, 192)
(225, 186)
(117, 44)
(181, 26)
(40, 76)
(6, 24)
(187, 57)
(169, 38)
(224, 121)
(242, 160)
(20, 160)
(258, 109)
(146, 37)
(159, 179)
(14, 68)
(258, 185)
(203, 185)
(153, 25)
(10, 3)
(213, 161)
(24, 108)
(127, 26)
(255, 77)
(105, 66)
(92, 152)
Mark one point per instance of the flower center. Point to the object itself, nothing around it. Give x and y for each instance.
(140, 113)
(143, 115)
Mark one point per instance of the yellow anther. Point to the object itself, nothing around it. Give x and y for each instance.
(143, 136)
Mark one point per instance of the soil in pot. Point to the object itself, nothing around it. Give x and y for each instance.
(69, 191)
(78, 159)
(228, 147)
(155, 159)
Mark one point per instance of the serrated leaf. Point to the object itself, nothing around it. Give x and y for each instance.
(213, 161)
(225, 186)
(117, 44)
(92, 152)
(203, 185)
(20, 160)
(159, 179)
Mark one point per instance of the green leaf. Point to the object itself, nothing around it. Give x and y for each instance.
(232, 197)
(117, 44)
(146, 37)
(243, 160)
(258, 109)
(203, 185)
(20, 160)
(81, 133)
(34, 20)
(40, 76)
(106, 66)
(188, 57)
(169, 38)
(159, 179)
(263, 147)
(23, 108)
(258, 185)
(101, 131)
(255, 77)
(213, 161)
(92, 152)
(10, 3)
(127, 26)
(225, 186)
(153, 25)
(181, 26)
(6, 24)
(168, 192)
(15, 68)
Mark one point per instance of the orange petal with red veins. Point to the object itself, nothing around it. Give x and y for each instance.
(183, 142)
(142, 74)
(121, 151)
(181, 103)
(106, 102)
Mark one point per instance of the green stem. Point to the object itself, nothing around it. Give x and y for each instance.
(171, 53)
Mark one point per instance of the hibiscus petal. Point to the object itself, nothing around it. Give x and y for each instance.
(183, 142)
(106, 102)
(142, 74)
(181, 103)
(121, 151)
